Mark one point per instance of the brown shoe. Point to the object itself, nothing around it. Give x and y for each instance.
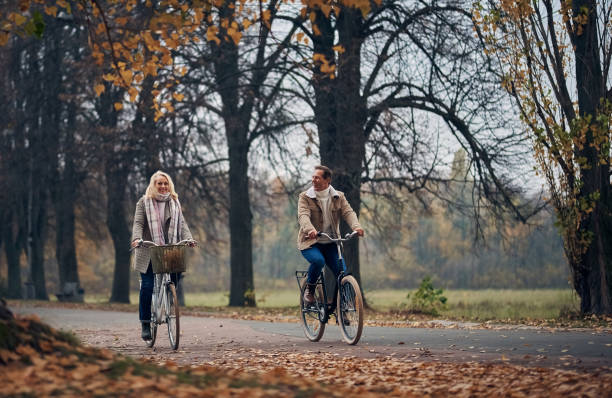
(309, 293)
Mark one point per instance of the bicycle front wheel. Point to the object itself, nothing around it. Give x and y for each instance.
(311, 314)
(350, 310)
(152, 324)
(172, 316)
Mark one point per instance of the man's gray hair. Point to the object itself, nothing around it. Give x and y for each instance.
(327, 173)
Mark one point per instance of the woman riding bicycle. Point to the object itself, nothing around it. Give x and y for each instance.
(319, 210)
(158, 218)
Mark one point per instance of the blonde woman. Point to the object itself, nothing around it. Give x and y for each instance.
(158, 218)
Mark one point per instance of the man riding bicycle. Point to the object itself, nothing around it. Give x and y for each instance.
(319, 210)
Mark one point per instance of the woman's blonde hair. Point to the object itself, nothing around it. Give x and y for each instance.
(152, 190)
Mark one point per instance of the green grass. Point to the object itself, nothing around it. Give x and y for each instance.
(489, 304)
(477, 305)
(462, 304)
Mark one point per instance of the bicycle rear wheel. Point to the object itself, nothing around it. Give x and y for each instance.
(350, 310)
(311, 314)
(172, 316)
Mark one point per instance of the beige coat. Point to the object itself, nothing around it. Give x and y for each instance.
(140, 230)
(310, 215)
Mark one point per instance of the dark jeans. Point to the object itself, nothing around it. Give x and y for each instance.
(146, 291)
(318, 255)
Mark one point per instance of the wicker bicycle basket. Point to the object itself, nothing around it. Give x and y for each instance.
(168, 258)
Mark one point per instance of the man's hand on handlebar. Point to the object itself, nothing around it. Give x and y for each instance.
(312, 234)
(359, 231)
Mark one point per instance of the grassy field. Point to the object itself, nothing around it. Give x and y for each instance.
(476, 305)
(490, 304)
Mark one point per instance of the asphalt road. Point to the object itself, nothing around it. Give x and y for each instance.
(208, 340)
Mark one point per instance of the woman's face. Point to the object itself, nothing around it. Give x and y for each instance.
(162, 185)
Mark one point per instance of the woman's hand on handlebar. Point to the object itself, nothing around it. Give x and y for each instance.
(312, 234)
(145, 243)
(359, 231)
(188, 242)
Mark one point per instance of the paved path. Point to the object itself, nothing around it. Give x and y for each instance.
(214, 340)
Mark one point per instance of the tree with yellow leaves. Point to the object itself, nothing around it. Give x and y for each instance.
(554, 59)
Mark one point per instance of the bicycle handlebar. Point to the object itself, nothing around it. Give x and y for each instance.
(347, 237)
(148, 243)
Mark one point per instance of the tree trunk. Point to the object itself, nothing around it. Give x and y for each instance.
(116, 181)
(593, 274)
(12, 249)
(19, 151)
(65, 194)
(352, 111)
(37, 242)
(236, 120)
(15, 162)
(145, 132)
(340, 114)
(116, 171)
(325, 112)
(65, 244)
(242, 288)
(59, 127)
(37, 179)
(325, 93)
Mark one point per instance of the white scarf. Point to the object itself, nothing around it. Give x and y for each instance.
(324, 199)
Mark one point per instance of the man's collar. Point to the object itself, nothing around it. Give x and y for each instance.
(311, 192)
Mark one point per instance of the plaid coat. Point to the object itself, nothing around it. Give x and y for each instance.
(140, 230)
(310, 215)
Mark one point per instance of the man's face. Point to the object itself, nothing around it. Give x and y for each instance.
(318, 182)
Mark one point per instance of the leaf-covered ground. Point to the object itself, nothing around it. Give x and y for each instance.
(392, 377)
(37, 361)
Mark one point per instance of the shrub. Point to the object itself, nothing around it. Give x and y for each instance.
(427, 299)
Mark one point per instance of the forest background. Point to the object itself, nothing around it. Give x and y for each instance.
(396, 254)
(443, 182)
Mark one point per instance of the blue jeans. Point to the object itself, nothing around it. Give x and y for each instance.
(146, 292)
(318, 255)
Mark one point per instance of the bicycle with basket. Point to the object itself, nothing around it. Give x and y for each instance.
(166, 260)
